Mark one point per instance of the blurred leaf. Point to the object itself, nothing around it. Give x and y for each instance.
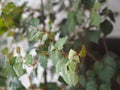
(15, 84)
(95, 19)
(34, 22)
(9, 71)
(109, 60)
(90, 75)
(44, 37)
(88, 4)
(73, 56)
(98, 66)
(106, 27)
(43, 61)
(12, 61)
(55, 56)
(10, 55)
(59, 44)
(82, 80)
(105, 87)
(8, 8)
(70, 22)
(5, 51)
(61, 63)
(93, 36)
(19, 69)
(97, 5)
(83, 51)
(34, 35)
(68, 73)
(18, 50)
(3, 27)
(106, 74)
(3, 80)
(91, 86)
(29, 59)
(79, 16)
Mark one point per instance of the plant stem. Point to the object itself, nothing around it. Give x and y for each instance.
(45, 80)
(42, 14)
(105, 44)
(91, 56)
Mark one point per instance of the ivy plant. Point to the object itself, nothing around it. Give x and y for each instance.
(66, 44)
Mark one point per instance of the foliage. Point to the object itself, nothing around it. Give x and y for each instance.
(67, 46)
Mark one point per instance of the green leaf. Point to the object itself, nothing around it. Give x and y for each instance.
(106, 27)
(3, 83)
(73, 56)
(61, 63)
(34, 35)
(93, 36)
(91, 86)
(98, 66)
(97, 5)
(82, 80)
(105, 87)
(70, 22)
(5, 51)
(109, 61)
(88, 4)
(68, 73)
(106, 74)
(90, 75)
(55, 56)
(3, 27)
(18, 68)
(83, 51)
(15, 84)
(8, 8)
(9, 71)
(95, 19)
(43, 61)
(79, 17)
(34, 22)
(29, 59)
(59, 44)
(44, 37)
(70, 77)
(12, 61)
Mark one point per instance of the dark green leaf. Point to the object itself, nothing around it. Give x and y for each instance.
(91, 86)
(3, 81)
(82, 80)
(88, 3)
(106, 27)
(93, 36)
(105, 87)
